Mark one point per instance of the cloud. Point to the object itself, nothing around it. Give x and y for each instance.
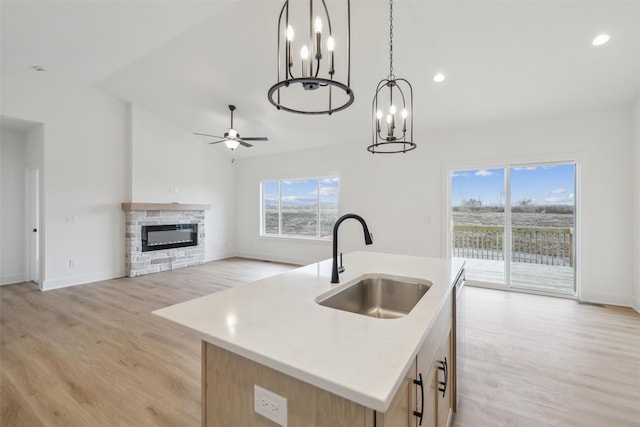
(552, 200)
(483, 172)
(528, 168)
(297, 199)
(456, 174)
(329, 191)
(329, 180)
(557, 191)
(572, 196)
(297, 181)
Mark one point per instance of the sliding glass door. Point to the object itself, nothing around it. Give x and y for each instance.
(542, 227)
(478, 223)
(515, 226)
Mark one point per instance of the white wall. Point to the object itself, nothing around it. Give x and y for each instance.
(401, 196)
(171, 165)
(84, 175)
(636, 209)
(12, 206)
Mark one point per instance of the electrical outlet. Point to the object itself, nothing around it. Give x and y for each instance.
(270, 405)
(72, 263)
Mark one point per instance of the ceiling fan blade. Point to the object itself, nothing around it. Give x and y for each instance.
(216, 142)
(210, 136)
(255, 138)
(244, 144)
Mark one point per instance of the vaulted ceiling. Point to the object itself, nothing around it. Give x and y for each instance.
(186, 61)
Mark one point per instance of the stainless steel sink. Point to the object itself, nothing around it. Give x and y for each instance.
(378, 296)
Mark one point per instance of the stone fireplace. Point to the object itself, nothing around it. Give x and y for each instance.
(163, 236)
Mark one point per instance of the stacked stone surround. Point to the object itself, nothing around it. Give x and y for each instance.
(139, 263)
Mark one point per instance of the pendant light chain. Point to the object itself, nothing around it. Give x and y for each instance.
(390, 39)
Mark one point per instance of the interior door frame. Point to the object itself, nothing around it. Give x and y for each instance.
(579, 159)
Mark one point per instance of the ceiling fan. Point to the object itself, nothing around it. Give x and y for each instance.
(232, 138)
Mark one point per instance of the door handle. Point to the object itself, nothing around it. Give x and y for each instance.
(421, 384)
(445, 368)
(35, 230)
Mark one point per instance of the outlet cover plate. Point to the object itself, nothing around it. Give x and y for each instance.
(270, 405)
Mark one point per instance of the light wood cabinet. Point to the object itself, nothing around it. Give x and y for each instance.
(445, 404)
(227, 395)
(435, 365)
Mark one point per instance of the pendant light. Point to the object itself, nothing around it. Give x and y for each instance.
(312, 64)
(392, 109)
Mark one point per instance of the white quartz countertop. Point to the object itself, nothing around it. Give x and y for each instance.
(277, 322)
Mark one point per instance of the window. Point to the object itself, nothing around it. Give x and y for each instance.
(303, 208)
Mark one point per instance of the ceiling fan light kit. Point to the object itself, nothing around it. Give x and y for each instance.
(314, 69)
(394, 96)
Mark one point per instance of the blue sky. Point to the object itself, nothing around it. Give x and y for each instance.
(303, 192)
(544, 185)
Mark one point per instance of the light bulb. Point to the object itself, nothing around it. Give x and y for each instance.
(290, 33)
(232, 133)
(405, 113)
(600, 40)
(331, 44)
(317, 25)
(438, 78)
(392, 109)
(388, 118)
(232, 144)
(379, 115)
(304, 52)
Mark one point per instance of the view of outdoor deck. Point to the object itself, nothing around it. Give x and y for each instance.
(544, 278)
(515, 225)
(542, 257)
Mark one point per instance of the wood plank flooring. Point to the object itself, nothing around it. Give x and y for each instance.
(540, 361)
(93, 355)
(543, 278)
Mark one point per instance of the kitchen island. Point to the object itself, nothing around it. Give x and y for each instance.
(355, 364)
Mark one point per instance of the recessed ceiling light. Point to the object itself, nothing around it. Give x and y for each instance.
(438, 78)
(600, 40)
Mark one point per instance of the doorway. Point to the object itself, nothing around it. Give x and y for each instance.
(33, 231)
(21, 252)
(515, 225)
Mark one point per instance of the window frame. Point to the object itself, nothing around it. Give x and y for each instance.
(280, 235)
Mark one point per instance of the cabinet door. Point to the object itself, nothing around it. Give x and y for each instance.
(427, 364)
(444, 384)
(426, 395)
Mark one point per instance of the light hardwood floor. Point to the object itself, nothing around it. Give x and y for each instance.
(540, 361)
(92, 355)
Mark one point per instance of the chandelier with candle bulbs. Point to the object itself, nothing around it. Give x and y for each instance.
(392, 109)
(309, 65)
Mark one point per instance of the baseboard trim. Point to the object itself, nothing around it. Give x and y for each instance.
(267, 257)
(607, 298)
(64, 282)
(14, 278)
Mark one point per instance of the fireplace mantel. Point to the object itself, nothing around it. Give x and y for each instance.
(163, 207)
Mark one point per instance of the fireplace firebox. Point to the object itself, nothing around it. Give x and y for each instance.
(157, 237)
